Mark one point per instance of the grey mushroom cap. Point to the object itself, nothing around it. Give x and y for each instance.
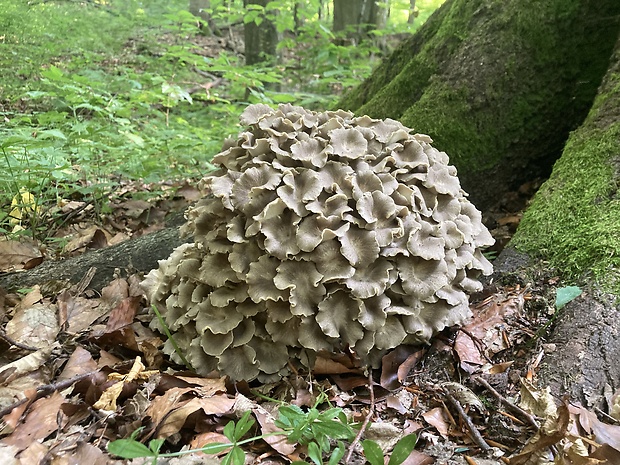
(319, 231)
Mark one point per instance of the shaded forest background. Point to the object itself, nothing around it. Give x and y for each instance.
(95, 95)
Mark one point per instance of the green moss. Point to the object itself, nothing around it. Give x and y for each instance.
(574, 221)
(497, 84)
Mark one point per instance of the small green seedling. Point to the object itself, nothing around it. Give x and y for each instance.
(130, 448)
(314, 429)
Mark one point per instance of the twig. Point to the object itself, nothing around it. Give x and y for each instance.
(509, 405)
(475, 434)
(45, 389)
(369, 415)
(12, 342)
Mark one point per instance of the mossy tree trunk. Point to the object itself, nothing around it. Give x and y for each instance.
(573, 224)
(518, 89)
(574, 219)
(498, 84)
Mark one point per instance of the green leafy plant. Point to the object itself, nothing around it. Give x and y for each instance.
(314, 429)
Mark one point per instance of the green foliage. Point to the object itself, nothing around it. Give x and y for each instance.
(97, 92)
(314, 426)
(314, 429)
(402, 450)
(566, 294)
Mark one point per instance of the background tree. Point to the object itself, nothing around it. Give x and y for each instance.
(260, 33)
(358, 17)
(201, 8)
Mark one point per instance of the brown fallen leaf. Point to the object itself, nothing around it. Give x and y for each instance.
(123, 314)
(14, 254)
(114, 292)
(214, 405)
(418, 458)
(397, 364)
(35, 326)
(39, 423)
(78, 313)
(110, 395)
(34, 453)
(7, 454)
(33, 297)
(12, 418)
(484, 336)
(267, 423)
(84, 454)
(333, 364)
(209, 437)
(26, 364)
(80, 362)
(172, 398)
(551, 432)
(437, 417)
(603, 433)
(91, 238)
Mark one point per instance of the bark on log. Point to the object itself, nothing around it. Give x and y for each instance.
(498, 84)
(139, 254)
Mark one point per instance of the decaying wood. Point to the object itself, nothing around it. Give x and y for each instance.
(136, 255)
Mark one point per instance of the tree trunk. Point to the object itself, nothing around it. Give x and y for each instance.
(412, 12)
(356, 17)
(200, 8)
(136, 255)
(498, 84)
(261, 37)
(573, 224)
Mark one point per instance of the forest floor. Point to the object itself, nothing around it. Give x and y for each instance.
(80, 369)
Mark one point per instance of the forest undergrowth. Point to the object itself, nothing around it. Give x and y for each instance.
(132, 97)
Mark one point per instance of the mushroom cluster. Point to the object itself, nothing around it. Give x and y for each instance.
(319, 232)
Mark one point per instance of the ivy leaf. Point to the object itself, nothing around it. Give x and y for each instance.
(565, 294)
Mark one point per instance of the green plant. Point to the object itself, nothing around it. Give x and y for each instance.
(402, 450)
(565, 294)
(313, 429)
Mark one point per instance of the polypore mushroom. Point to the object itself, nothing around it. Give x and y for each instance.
(319, 231)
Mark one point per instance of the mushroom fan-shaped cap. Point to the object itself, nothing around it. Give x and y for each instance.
(319, 231)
